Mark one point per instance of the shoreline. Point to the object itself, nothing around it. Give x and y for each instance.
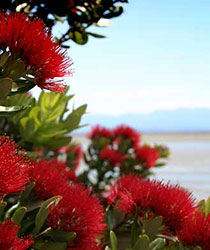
(159, 136)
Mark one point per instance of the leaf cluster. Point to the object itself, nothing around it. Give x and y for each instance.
(47, 123)
(77, 15)
(31, 215)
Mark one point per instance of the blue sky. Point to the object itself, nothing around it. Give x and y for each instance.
(156, 56)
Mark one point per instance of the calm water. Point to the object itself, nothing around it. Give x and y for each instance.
(189, 166)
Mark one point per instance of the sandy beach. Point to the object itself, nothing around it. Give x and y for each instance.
(189, 162)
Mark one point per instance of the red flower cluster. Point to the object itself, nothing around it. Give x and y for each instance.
(123, 147)
(173, 203)
(79, 212)
(9, 239)
(28, 39)
(98, 132)
(114, 157)
(147, 155)
(14, 167)
(196, 231)
(127, 132)
(49, 176)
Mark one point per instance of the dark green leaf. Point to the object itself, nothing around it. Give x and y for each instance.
(74, 118)
(110, 218)
(134, 232)
(25, 194)
(142, 243)
(60, 236)
(2, 207)
(41, 245)
(116, 11)
(16, 70)
(3, 59)
(19, 215)
(28, 86)
(78, 37)
(5, 88)
(44, 212)
(95, 35)
(151, 227)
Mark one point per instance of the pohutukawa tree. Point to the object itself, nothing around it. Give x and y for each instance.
(45, 203)
(77, 16)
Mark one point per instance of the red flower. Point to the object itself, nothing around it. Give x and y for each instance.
(9, 239)
(49, 176)
(147, 155)
(124, 183)
(28, 39)
(14, 167)
(79, 212)
(114, 157)
(173, 203)
(98, 131)
(127, 132)
(63, 169)
(196, 231)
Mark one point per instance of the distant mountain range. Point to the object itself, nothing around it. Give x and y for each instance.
(179, 120)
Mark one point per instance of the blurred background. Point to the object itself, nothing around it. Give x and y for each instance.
(152, 72)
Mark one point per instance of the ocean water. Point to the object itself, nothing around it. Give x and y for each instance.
(188, 166)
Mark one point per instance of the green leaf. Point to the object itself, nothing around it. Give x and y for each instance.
(74, 118)
(44, 212)
(111, 222)
(202, 204)
(25, 194)
(113, 240)
(160, 164)
(19, 215)
(151, 227)
(59, 18)
(157, 244)
(142, 243)
(52, 105)
(60, 236)
(19, 100)
(41, 245)
(16, 70)
(5, 88)
(3, 59)
(27, 127)
(78, 37)
(7, 111)
(28, 86)
(134, 232)
(95, 35)
(55, 143)
(2, 207)
(207, 206)
(114, 12)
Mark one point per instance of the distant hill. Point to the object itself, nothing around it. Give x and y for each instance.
(183, 120)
